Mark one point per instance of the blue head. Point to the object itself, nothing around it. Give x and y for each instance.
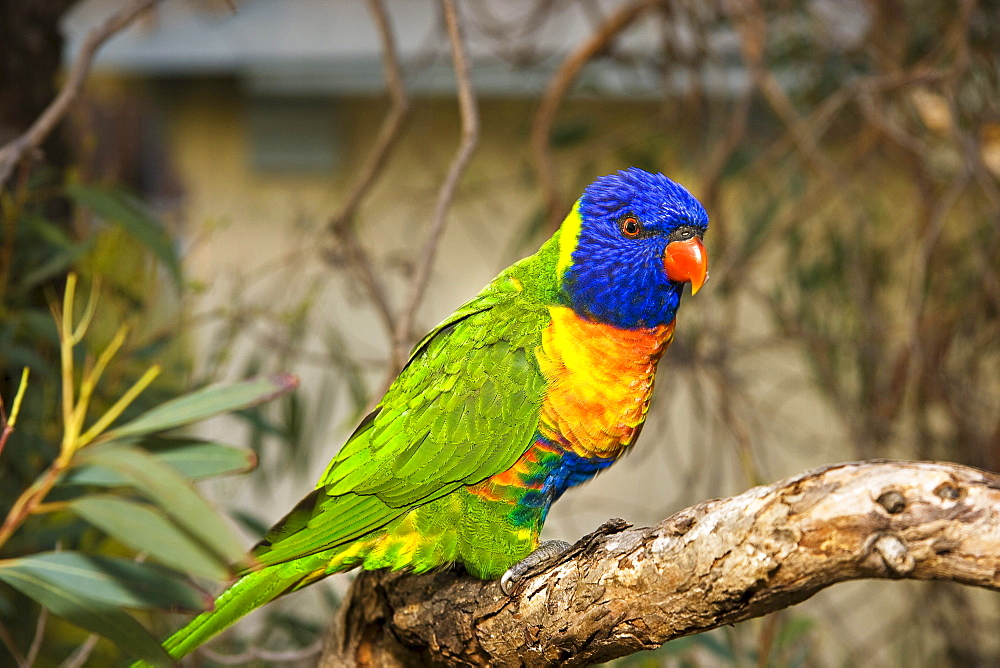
(629, 246)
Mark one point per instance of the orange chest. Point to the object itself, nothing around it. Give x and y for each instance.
(600, 380)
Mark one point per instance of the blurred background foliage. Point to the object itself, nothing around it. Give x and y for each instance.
(81, 500)
(848, 154)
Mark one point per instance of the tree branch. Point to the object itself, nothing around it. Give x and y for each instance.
(557, 89)
(621, 590)
(392, 125)
(15, 150)
(467, 145)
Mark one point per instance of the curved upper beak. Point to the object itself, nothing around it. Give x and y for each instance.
(687, 262)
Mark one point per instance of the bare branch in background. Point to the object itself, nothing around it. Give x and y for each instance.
(750, 21)
(391, 126)
(399, 325)
(557, 89)
(15, 151)
(721, 154)
(81, 654)
(467, 144)
(36, 643)
(622, 590)
(340, 225)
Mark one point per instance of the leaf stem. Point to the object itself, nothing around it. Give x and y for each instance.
(91, 377)
(65, 322)
(51, 507)
(74, 410)
(7, 423)
(105, 421)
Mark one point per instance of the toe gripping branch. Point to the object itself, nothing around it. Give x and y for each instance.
(547, 550)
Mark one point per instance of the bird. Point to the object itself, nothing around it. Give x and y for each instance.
(535, 385)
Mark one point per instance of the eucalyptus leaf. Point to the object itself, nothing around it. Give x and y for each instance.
(115, 581)
(197, 459)
(174, 495)
(43, 580)
(120, 208)
(205, 403)
(147, 530)
(192, 458)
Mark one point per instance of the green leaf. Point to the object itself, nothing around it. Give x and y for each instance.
(118, 582)
(118, 207)
(59, 263)
(172, 493)
(147, 530)
(204, 403)
(78, 588)
(197, 459)
(192, 458)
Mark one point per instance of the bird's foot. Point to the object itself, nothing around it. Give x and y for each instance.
(547, 550)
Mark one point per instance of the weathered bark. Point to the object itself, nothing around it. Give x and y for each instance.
(621, 590)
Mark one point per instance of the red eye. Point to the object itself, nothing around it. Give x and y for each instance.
(631, 227)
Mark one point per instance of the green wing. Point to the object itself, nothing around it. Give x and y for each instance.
(464, 408)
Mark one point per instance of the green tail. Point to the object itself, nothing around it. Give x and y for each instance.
(250, 592)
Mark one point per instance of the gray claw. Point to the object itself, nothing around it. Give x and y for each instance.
(547, 550)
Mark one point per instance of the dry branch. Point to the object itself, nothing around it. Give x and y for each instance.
(469, 137)
(558, 88)
(621, 590)
(340, 225)
(392, 123)
(399, 323)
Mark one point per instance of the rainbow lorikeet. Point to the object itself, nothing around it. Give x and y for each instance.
(534, 386)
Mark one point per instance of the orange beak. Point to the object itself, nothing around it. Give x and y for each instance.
(687, 262)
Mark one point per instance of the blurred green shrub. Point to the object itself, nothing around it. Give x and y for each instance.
(81, 497)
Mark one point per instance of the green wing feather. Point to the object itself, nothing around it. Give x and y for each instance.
(248, 593)
(464, 408)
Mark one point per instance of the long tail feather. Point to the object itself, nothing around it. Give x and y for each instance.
(245, 595)
(250, 592)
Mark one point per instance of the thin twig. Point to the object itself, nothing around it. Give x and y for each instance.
(467, 144)
(387, 138)
(557, 89)
(720, 155)
(8, 642)
(391, 125)
(766, 639)
(15, 150)
(750, 21)
(80, 655)
(36, 642)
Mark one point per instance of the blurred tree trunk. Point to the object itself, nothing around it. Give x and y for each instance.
(31, 45)
(30, 56)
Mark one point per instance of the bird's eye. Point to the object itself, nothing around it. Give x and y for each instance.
(631, 227)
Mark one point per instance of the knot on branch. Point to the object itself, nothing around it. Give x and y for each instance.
(892, 501)
(894, 554)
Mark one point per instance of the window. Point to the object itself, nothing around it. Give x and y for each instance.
(293, 134)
